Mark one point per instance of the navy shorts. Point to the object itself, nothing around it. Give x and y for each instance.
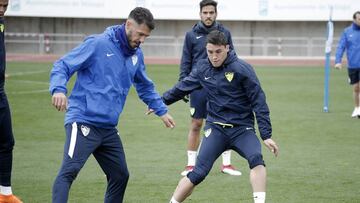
(218, 139)
(198, 104)
(354, 75)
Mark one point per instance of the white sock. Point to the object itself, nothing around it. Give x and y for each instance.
(173, 200)
(259, 197)
(226, 157)
(191, 157)
(5, 190)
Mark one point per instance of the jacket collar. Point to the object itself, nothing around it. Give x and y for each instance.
(120, 35)
(355, 26)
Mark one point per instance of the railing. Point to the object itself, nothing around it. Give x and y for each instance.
(171, 46)
(41, 43)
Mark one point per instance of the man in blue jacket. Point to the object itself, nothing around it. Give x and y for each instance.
(6, 135)
(350, 41)
(193, 51)
(107, 65)
(234, 94)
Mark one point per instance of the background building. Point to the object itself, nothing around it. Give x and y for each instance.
(263, 28)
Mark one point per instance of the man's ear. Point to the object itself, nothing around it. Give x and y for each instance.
(227, 48)
(127, 24)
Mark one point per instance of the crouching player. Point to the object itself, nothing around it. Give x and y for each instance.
(234, 96)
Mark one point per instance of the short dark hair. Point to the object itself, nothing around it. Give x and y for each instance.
(216, 37)
(354, 16)
(142, 15)
(204, 3)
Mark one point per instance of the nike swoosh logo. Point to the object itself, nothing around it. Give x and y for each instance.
(198, 37)
(108, 55)
(248, 128)
(206, 78)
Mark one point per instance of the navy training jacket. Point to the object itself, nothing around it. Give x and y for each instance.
(233, 92)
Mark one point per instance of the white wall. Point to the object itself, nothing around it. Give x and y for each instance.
(244, 10)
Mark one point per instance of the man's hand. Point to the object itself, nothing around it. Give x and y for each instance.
(338, 66)
(168, 120)
(59, 101)
(270, 144)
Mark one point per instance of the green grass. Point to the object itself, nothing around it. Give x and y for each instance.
(319, 152)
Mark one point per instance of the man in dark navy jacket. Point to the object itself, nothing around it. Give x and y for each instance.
(234, 95)
(193, 51)
(6, 135)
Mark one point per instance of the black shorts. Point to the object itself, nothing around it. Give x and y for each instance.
(354, 75)
(198, 104)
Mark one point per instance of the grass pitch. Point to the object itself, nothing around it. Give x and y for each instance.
(319, 152)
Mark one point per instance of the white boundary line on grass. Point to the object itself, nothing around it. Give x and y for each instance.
(29, 92)
(27, 73)
(30, 82)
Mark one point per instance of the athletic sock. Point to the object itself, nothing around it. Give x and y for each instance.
(173, 200)
(259, 197)
(5, 190)
(191, 157)
(226, 157)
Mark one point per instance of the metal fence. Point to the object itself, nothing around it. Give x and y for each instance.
(41, 43)
(170, 46)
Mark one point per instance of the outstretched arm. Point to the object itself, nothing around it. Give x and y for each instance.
(146, 90)
(182, 88)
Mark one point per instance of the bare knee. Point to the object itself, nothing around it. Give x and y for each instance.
(196, 124)
(357, 87)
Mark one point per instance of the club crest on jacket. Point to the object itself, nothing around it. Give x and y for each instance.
(134, 59)
(229, 76)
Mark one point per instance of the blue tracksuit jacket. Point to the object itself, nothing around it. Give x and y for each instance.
(194, 46)
(104, 77)
(349, 41)
(233, 93)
